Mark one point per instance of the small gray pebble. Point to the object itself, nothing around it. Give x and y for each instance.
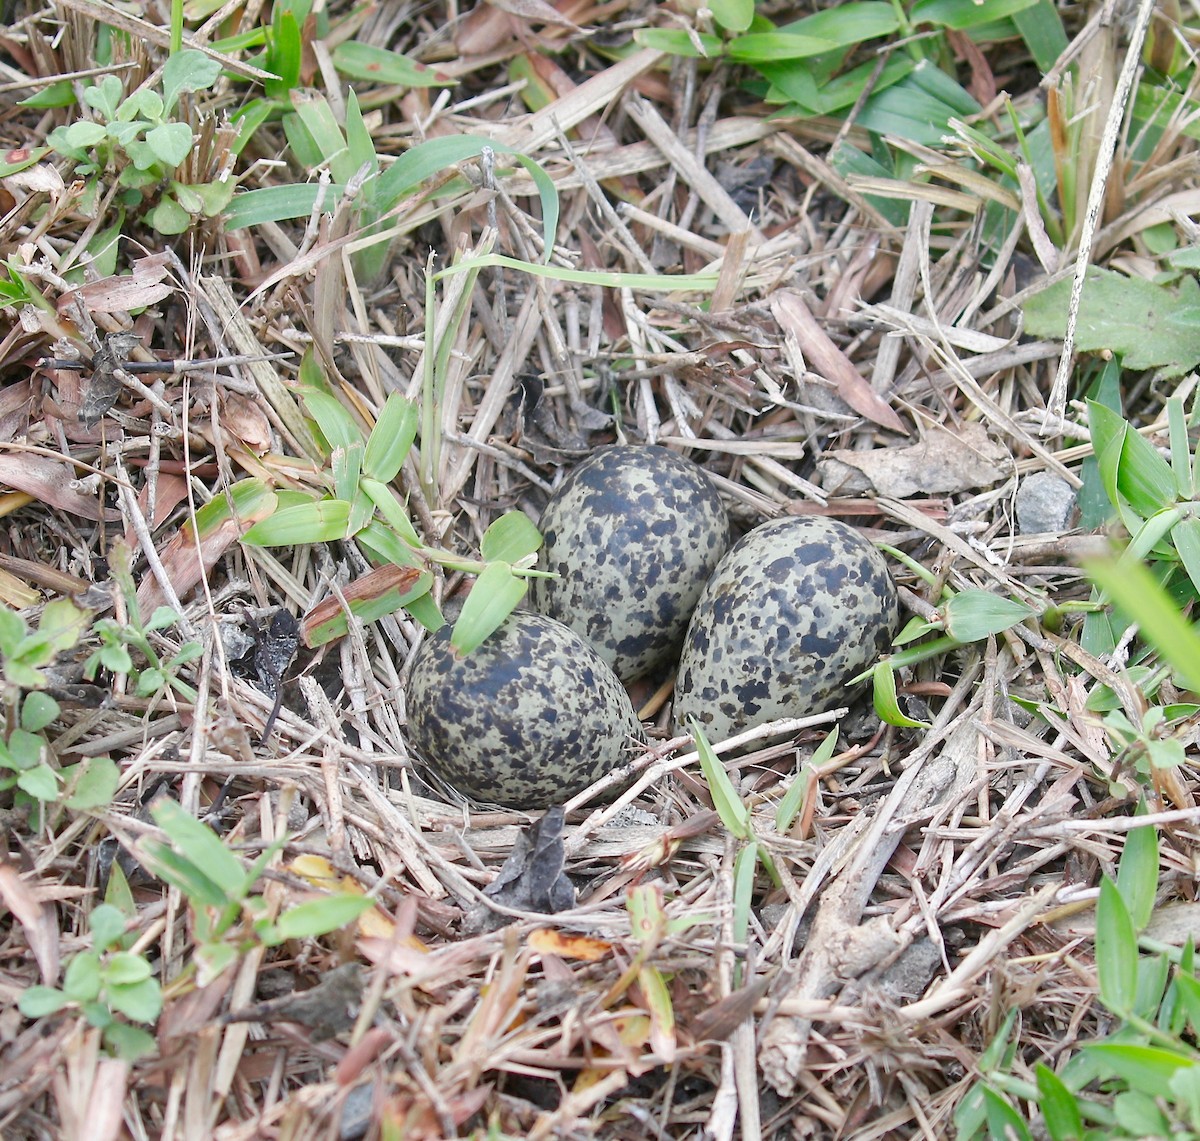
(1044, 504)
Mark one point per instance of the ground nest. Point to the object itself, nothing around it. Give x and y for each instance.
(822, 338)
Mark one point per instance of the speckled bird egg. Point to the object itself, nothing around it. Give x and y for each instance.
(795, 610)
(633, 534)
(527, 719)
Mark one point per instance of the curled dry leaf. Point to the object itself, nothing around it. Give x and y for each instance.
(53, 483)
(943, 463)
(825, 358)
(119, 294)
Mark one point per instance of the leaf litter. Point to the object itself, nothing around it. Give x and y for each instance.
(594, 973)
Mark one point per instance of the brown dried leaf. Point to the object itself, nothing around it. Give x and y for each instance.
(37, 919)
(825, 358)
(51, 482)
(944, 462)
(144, 286)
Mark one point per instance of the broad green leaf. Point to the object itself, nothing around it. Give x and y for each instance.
(61, 624)
(142, 1001)
(358, 137)
(200, 846)
(1132, 587)
(82, 981)
(107, 925)
(168, 217)
(1042, 30)
(1116, 951)
(248, 497)
(425, 610)
(1060, 1111)
(124, 967)
(170, 142)
(391, 438)
(60, 94)
(313, 110)
(972, 615)
(187, 70)
(40, 1001)
(1002, 1119)
(333, 418)
(320, 916)
(1137, 873)
(1147, 325)
(365, 61)
(955, 14)
(1186, 537)
(846, 25)
(37, 711)
(285, 52)
(40, 782)
(91, 784)
(395, 542)
(798, 82)
(510, 538)
(324, 521)
(733, 813)
(492, 599)
(1144, 1067)
(732, 15)
(919, 107)
(12, 630)
(129, 1043)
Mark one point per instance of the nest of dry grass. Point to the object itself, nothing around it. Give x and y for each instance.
(840, 365)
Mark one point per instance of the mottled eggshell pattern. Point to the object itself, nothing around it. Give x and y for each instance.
(797, 608)
(633, 534)
(527, 719)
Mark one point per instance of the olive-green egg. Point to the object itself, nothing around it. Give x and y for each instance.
(527, 719)
(633, 534)
(796, 609)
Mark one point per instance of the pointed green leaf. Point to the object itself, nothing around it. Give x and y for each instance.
(1116, 951)
(320, 916)
(1060, 1111)
(883, 681)
(322, 522)
(1144, 1067)
(733, 813)
(495, 595)
(1137, 873)
(973, 615)
(200, 845)
(391, 438)
(366, 61)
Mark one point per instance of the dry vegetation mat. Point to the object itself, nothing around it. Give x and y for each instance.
(305, 309)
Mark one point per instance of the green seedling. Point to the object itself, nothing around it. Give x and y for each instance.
(1139, 1081)
(118, 639)
(228, 918)
(134, 140)
(109, 985)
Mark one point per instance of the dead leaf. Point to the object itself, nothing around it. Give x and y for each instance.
(827, 360)
(943, 463)
(535, 11)
(51, 482)
(37, 919)
(244, 420)
(548, 941)
(143, 286)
